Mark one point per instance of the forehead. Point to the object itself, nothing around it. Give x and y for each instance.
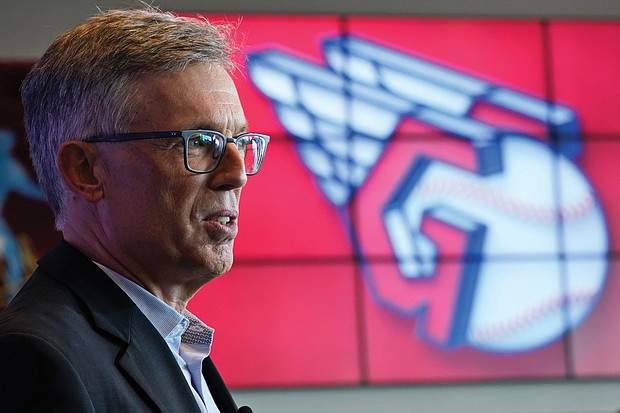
(201, 96)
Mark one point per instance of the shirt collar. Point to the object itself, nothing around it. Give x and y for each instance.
(166, 320)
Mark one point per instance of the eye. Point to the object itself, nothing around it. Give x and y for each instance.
(199, 140)
(203, 145)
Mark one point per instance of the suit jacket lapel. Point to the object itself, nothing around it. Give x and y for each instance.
(154, 369)
(143, 354)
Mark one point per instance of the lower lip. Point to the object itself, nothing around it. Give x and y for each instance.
(221, 232)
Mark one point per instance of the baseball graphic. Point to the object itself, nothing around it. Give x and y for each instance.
(525, 261)
(511, 304)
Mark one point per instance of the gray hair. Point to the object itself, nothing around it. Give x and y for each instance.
(83, 84)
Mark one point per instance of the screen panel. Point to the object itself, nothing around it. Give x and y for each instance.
(281, 325)
(584, 68)
(423, 348)
(594, 352)
(499, 52)
(23, 239)
(599, 165)
(281, 215)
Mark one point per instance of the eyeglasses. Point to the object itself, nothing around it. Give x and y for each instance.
(204, 149)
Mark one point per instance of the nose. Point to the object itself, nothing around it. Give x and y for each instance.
(230, 173)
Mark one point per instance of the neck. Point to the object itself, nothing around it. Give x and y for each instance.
(158, 283)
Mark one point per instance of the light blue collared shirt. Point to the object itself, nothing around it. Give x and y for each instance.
(188, 338)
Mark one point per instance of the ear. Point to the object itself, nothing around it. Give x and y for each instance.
(77, 163)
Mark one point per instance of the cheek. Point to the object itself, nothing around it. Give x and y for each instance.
(180, 201)
(143, 196)
(171, 202)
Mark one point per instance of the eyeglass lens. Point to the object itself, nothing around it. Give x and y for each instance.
(204, 151)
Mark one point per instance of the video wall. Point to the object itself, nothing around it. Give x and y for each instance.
(438, 203)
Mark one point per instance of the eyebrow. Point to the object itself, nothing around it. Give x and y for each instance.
(206, 126)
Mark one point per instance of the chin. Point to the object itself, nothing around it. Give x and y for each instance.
(219, 265)
(210, 261)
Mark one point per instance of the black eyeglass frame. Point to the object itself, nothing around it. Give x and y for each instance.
(186, 135)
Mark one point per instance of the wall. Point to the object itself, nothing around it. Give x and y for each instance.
(27, 26)
(26, 29)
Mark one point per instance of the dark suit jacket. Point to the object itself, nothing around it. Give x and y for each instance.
(72, 341)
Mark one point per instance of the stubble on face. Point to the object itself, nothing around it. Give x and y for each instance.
(165, 223)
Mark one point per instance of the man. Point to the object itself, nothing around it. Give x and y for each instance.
(140, 143)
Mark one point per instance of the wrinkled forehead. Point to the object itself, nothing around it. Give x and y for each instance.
(200, 96)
